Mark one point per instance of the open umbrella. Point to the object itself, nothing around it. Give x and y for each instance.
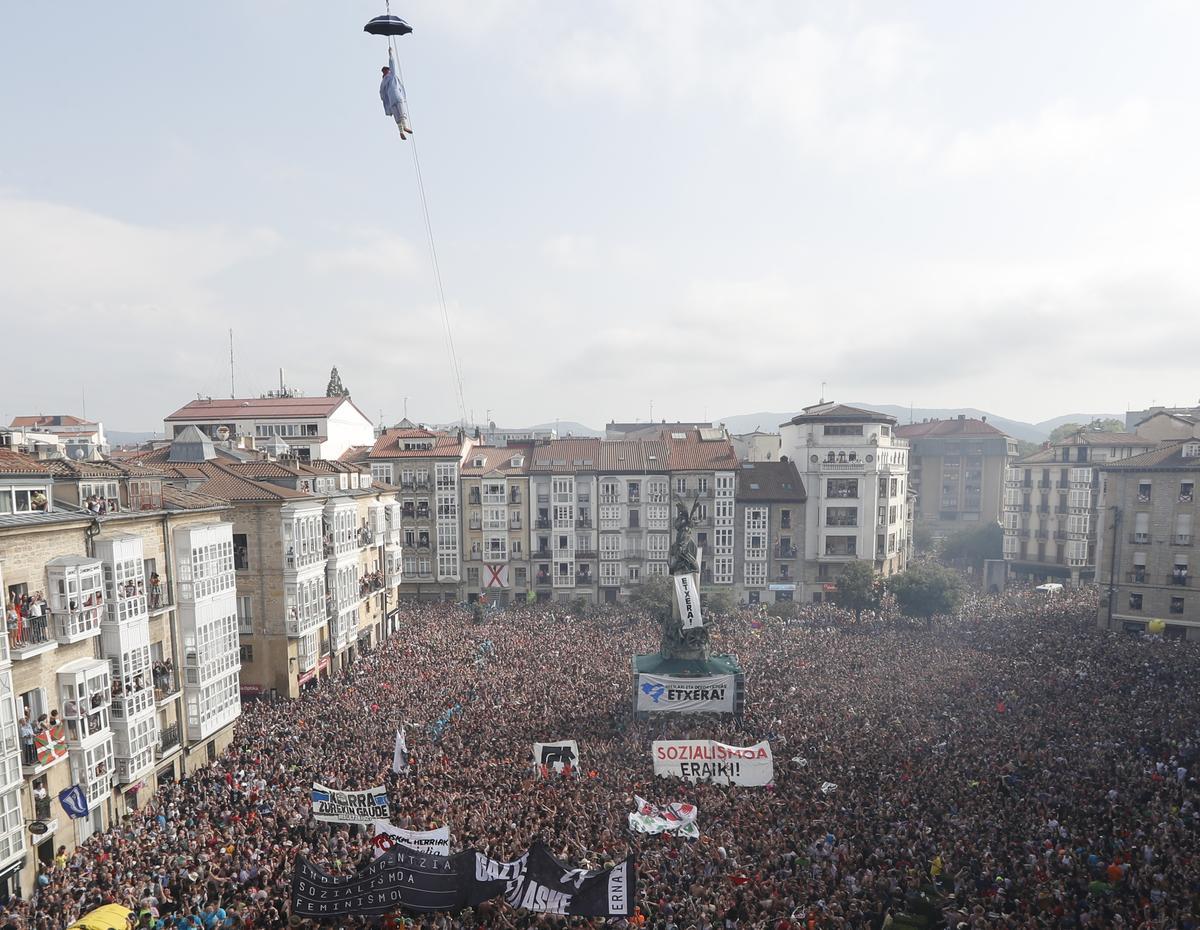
(387, 26)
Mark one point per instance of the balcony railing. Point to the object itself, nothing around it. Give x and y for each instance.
(30, 631)
(166, 683)
(1139, 538)
(583, 523)
(158, 596)
(1136, 577)
(542, 523)
(583, 578)
(73, 625)
(783, 552)
(542, 579)
(1183, 579)
(41, 808)
(1181, 539)
(168, 738)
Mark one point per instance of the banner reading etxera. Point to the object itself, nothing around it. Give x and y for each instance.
(707, 760)
(349, 806)
(687, 597)
(402, 879)
(708, 695)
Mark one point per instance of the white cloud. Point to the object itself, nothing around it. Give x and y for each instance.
(1058, 137)
(375, 253)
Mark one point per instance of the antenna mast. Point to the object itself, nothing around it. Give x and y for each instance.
(232, 390)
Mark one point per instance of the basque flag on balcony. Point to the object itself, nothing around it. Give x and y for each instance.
(74, 802)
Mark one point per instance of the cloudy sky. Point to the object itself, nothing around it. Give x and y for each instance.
(711, 206)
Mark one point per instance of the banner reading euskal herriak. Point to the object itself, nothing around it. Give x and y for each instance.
(403, 879)
(431, 842)
(349, 806)
(708, 760)
(711, 694)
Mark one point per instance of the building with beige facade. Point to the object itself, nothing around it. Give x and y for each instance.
(425, 465)
(317, 553)
(1145, 537)
(1051, 505)
(957, 470)
(121, 645)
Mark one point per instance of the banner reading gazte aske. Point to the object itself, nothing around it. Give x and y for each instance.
(349, 806)
(708, 760)
(713, 694)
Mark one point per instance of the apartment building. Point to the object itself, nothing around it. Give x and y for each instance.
(425, 465)
(956, 470)
(316, 551)
(562, 494)
(1145, 534)
(1051, 504)
(704, 466)
(633, 514)
(855, 471)
(494, 487)
(312, 427)
(770, 549)
(756, 446)
(121, 635)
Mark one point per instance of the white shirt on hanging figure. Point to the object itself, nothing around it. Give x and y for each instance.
(391, 92)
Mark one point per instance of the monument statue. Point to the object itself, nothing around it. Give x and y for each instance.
(683, 559)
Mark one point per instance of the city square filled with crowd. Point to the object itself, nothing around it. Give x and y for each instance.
(1010, 767)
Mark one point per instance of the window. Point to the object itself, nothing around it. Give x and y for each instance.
(635, 519)
(681, 485)
(23, 500)
(1177, 605)
(473, 577)
(840, 545)
(1141, 527)
(246, 654)
(1135, 602)
(382, 472)
(1185, 492)
(702, 485)
(1143, 494)
(241, 560)
(841, 429)
(245, 617)
(841, 516)
(785, 519)
(842, 487)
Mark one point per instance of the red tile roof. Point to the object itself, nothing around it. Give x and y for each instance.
(497, 459)
(565, 456)
(388, 446)
(695, 453)
(244, 408)
(831, 411)
(52, 420)
(1168, 456)
(634, 455)
(17, 463)
(967, 426)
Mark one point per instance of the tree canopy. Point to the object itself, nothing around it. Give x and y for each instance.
(926, 589)
(1106, 425)
(857, 588)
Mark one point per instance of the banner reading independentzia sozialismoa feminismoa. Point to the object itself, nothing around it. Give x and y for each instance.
(403, 879)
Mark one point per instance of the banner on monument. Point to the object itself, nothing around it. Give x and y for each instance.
(702, 695)
(403, 879)
(708, 760)
(555, 757)
(430, 842)
(687, 597)
(678, 818)
(349, 806)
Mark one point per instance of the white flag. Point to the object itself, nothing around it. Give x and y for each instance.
(400, 754)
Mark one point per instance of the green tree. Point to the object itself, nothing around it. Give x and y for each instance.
(719, 601)
(653, 595)
(1105, 425)
(857, 588)
(926, 589)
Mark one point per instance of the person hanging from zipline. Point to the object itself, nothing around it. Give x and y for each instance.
(391, 92)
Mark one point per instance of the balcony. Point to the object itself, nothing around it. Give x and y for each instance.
(843, 521)
(780, 551)
(407, 513)
(1181, 578)
(129, 702)
(583, 523)
(542, 523)
(1185, 497)
(474, 498)
(584, 578)
(30, 638)
(475, 523)
(1181, 539)
(514, 522)
(41, 808)
(1042, 534)
(1137, 577)
(168, 739)
(542, 579)
(166, 683)
(1139, 538)
(158, 597)
(610, 498)
(422, 513)
(542, 553)
(365, 537)
(71, 626)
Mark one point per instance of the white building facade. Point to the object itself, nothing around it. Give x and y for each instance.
(855, 472)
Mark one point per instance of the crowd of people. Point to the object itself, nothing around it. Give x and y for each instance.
(1009, 767)
(27, 619)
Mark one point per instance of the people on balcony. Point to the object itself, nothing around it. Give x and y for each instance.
(155, 590)
(25, 729)
(26, 620)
